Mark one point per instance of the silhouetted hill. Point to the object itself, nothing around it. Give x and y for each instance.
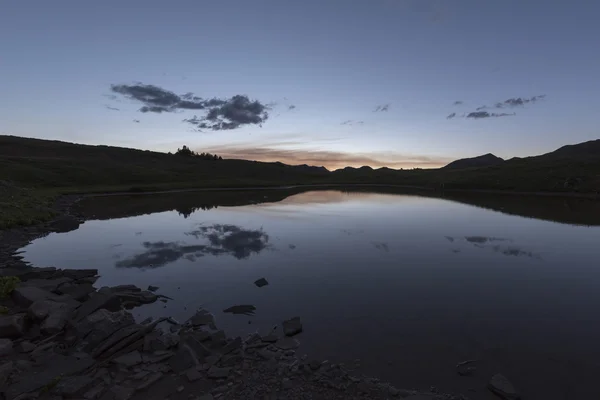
(485, 160)
(589, 149)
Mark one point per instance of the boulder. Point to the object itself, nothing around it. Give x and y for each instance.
(78, 292)
(57, 319)
(46, 284)
(502, 387)
(98, 301)
(12, 326)
(25, 296)
(292, 326)
(6, 347)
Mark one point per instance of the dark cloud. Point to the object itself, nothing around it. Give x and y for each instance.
(451, 116)
(381, 108)
(458, 103)
(519, 101)
(291, 107)
(137, 121)
(221, 114)
(112, 108)
(161, 253)
(481, 108)
(485, 114)
(232, 239)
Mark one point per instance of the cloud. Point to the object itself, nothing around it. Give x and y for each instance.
(451, 116)
(481, 108)
(220, 114)
(351, 122)
(137, 121)
(382, 108)
(519, 101)
(457, 103)
(291, 107)
(112, 108)
(485, 114)
(327, 158)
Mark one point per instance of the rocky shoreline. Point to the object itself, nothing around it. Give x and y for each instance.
(63, 338)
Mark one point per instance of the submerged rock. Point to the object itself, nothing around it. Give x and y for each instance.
(292, 326)
(502, 387)
(261, 282)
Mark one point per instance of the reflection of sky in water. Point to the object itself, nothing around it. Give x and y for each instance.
(412, 266)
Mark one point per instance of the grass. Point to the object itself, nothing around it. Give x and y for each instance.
(34, 172)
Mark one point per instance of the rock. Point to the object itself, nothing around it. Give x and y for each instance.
(27, 346)
(502, 387)
(193, 374)
(46, 284)
(218, 372)
(271, 338)
(113, 340)
(25, 296)
(286, 384)
(98, 301)
(121, 289)
(42, 375)
(287, 343)
(200, 350)
(55, 322)
(118, 392)
(261, 282)
(12, 326)
(233, 345)
(5, 371)
(180, 389)
(292, 326)
(95, 392)
(218, 338)
(202, 317)
(78, 274)
(151, 380)
(207, 396)
(156, 357)
(64, 224)
(97, 327)
(137, 297)
(39, 310)
(159, 340)
(6, 347)
(152, 288)
(129, 359)
(78, 292)
(74, 386)
(183, 360)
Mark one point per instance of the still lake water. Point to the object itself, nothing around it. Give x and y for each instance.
(410, 285)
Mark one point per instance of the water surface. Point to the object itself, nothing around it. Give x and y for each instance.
(408, 284)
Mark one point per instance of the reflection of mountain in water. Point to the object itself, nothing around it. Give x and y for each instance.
(222, 239)
(559, 209)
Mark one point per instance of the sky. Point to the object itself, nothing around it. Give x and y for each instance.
(397, 83)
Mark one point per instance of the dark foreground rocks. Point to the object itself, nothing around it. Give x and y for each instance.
(63, 339)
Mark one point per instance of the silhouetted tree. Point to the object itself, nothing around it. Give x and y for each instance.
(185, 151)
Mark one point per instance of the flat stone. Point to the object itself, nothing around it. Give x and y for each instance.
(74, 386)
(114, 339)
(78, 274)
(151, 380)
(56, 320)
(97, 327)
(5, 370)
(118, 392)
(142, 297)
(287, 343)
(212, 359)
(231, 359)
(78, 292)
(95, 392)
(200, 350)
(129, 359)
(261, 282)
(42, 375)
(157, 357)
(6, 347)
(202, 317)
(27, 346)
(270, 338)
(152, 288)
(502, 387)
(12, 326)
(159, 340)
(98, 301)
(122, 288)
(46, 284)
(193, 374)
(183, 360)
(292, 326)
(233, 345)
(218, 372)
(27, 295)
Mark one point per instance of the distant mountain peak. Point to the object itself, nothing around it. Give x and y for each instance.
(479, 161)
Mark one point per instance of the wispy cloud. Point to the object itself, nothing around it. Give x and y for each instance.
(219, 114)
(112, 108)
(382, 108)
(457, 103)
(451, 116)
(328, 158)
(485, 114)
(291, 107)
(351, 122)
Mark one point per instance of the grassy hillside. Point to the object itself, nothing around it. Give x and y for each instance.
(34, 171)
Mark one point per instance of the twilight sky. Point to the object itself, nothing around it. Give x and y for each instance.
(393, 83)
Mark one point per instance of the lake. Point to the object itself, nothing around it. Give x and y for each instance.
(409, 284)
